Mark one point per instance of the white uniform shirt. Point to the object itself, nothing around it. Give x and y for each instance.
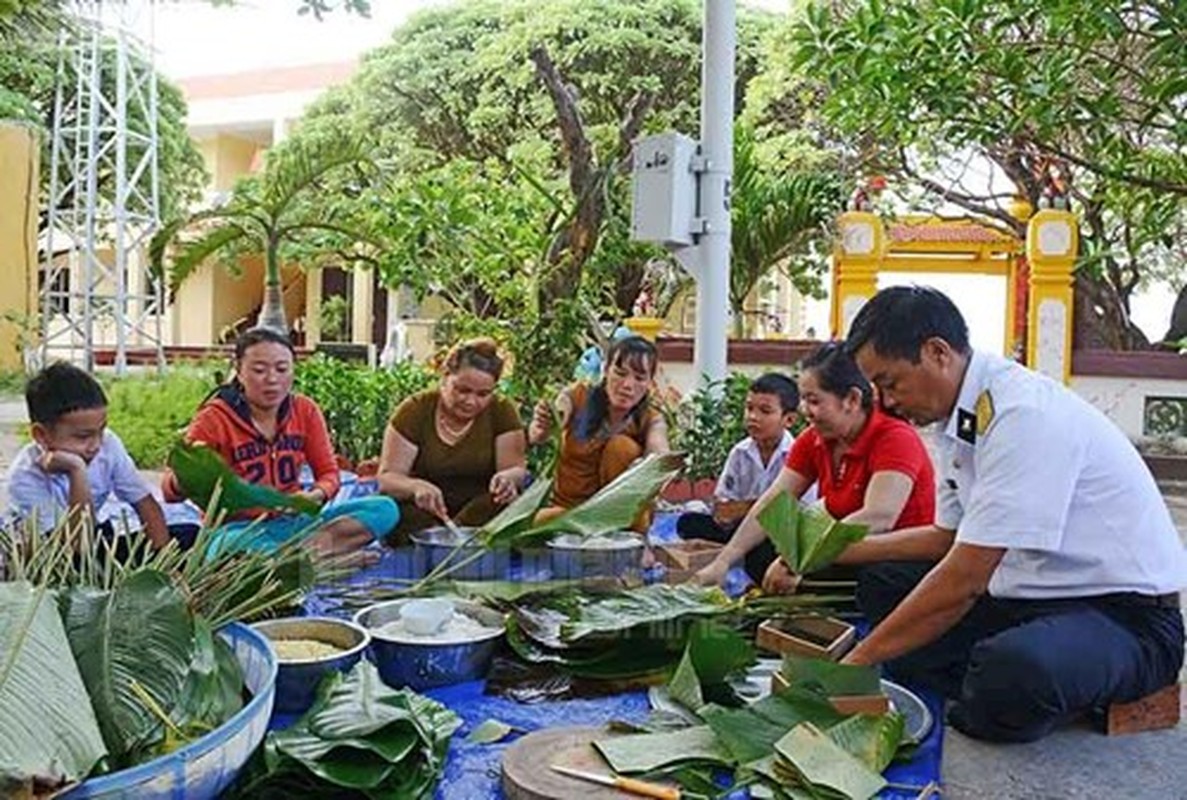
(1030, 466)
(32, 489)
(744, 476)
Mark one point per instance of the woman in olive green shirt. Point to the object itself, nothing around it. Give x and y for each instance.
(456, 452)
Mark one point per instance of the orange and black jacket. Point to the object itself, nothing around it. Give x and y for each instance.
(224, 424)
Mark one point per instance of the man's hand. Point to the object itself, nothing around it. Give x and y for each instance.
(712, 574)
(429, 498)
(504, 487)
(62, 462)
(779, 579)
(541, 424)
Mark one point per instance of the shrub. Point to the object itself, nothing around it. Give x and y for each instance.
(708, 423)
(358, 400)
(149, 411)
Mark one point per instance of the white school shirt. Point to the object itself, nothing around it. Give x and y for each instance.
(32, 489)
(1030, 466)
(744, 476)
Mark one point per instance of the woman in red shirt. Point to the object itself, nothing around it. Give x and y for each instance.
(870, 468)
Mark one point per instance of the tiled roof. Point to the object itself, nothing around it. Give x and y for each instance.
(955, 231)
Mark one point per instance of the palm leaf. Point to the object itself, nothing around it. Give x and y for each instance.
(138, 635)
(808, 539)
(192, 254)
(516, 517)
(617, 504)
(48, 731)
(300, 163)
(201, 472)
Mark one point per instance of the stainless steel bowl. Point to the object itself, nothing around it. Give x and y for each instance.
(425, 664)
(608, 555)
(432, 545)
(297, 679)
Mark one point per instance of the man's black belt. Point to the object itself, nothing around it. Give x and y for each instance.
(1169, 600)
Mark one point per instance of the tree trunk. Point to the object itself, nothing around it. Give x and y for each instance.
(272, 310)
(1178, 328)
(1101, 322)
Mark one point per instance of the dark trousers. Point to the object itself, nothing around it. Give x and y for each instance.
(1019, 668)
(694, 525)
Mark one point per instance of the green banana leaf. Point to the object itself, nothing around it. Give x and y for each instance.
(648, 752)
(872, 739)
(750, 733)
(360, 735)
(655, 606)
(808, 755)
(213, 688)
(201, 472)
(808, 539)
(712, 654)
(829, 677)
(48, 731)
(134, 640)
(516, 517)
(616, 504)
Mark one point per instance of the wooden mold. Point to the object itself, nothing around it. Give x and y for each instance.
(687, 556)
(1154, 712)
(815, 637)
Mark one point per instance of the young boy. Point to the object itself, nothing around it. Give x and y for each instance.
(73, 460)
(753, 464)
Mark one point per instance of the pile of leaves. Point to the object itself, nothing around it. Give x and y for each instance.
(360, 738)
(794, 743)
(134, 635)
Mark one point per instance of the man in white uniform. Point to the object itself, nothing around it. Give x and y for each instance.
(1059, 567)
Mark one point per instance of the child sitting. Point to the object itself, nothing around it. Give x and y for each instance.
(752, 466)
(74, 461)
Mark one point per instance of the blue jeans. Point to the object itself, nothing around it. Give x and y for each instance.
(377, 513)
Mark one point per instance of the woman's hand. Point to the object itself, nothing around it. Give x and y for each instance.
(504, 485)
(313, 495)
(712, 574)
(541, 424)
(779, 579)
(429, 498)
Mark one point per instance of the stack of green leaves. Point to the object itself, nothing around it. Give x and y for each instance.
(808, 539)
(625, 634)
(360, 738)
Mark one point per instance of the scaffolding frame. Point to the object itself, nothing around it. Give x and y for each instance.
(104, 191)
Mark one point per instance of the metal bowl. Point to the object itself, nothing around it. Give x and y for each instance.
(205, 767)
(432, 545)
(573, 556)
(426, 664)
(297, 679)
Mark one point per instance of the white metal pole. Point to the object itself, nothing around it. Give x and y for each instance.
(717, 145)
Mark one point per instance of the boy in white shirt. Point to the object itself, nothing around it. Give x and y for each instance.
(753, 464)
(73, 460)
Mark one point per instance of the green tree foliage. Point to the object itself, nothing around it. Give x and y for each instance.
(263, 215)
(1094, 104)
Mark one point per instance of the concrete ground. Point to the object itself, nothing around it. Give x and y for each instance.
(1077, 762)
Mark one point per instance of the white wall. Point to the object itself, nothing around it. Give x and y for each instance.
(1124, 399)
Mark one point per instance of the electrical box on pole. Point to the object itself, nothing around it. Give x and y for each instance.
(665, 190)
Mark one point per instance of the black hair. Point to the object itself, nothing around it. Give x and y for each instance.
(837, 372)
(256, 336)
(632, 351)
(898, 320)
(780, 386)
(58, 390)
(480, 354)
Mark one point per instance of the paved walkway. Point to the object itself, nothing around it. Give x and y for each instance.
(1076, 762)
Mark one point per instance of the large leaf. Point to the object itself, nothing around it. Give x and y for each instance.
(213, 689)
(648, 752)
(652, 606)
(750, 733)
(616, 504)
(48, 731)
(135, 640)
(872, 739)
(829, 677)
(516, 517)
(807, 754)
(201, 472)
(712, 654)
(808, 539)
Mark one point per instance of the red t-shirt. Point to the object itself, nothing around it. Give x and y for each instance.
(885, 444)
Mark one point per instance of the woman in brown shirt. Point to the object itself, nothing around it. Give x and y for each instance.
(455, 452)
(605, 427)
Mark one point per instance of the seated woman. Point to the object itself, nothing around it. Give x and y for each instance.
(266, 432)
(456, 452)
(604, 428)
(870, 468)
